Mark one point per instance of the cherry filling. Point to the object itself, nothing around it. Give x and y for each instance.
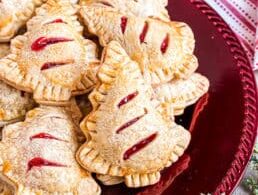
(59, 20)
(49, 65)
(128, 124)
(144, 32)
(39, 162)
(164, 45)
(44, 136)
(106, 3)
(42, 42)
(127, 99)
(140, 145)
(123, 24)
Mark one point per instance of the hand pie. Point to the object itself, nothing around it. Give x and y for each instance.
(128, 137)
(14, 14)
(164, 50)
(13, 103)
(37, 156)
(142, 8)
(182, 93)
(52, 57)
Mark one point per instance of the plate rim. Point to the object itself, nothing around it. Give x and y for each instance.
(249, 131)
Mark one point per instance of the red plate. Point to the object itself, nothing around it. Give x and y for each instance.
(223, 123)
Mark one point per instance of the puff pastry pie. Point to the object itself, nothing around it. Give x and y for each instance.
(37, 156)
(142, 8)
(128, 137)
(51, 59)
(164, 50)
(14, 14)
(182, 93)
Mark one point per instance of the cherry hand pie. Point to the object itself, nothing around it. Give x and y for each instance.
(51, 59)
(128, 136)
(182, 93)
(142, 8)
(164, 50)
(13, 103)
(14, 14)
(37, 156)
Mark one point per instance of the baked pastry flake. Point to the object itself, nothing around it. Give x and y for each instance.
(37, 156)
(127, 136)
(51, 59)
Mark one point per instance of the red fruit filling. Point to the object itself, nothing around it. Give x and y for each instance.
(44, 136)
(128, 124)
(39, 162)
(42, 42)
(164, 45)
(127, 99)
(123, 24)
(144, 32)
(140, 145)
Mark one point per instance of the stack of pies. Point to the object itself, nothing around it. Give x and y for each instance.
(128, 85)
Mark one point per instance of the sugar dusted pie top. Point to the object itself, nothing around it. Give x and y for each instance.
(51, 59)
(127, 133)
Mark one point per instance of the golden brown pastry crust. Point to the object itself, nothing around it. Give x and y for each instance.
(51, 59)
(33, 164)
(111, 135)
(14, 14)
(13, 103)
(182, 93)
(4, 49)
(142, 8)
(164, 50)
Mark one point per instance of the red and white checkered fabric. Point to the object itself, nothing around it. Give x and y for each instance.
(242, 16)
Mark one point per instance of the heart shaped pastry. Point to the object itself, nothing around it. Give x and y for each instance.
(164, 50)
(182, 93)
(51, 59)
(14, 14)
(142, 8)
(38, 156)
(127, 135)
